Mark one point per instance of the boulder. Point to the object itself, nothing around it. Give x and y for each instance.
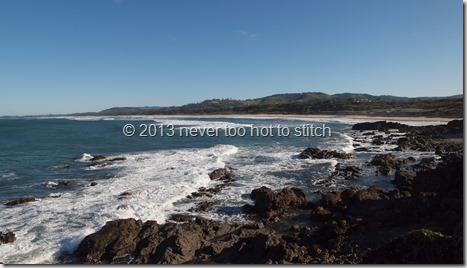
(116, 239)
(223, 174)
(8, 237)
(269, 204)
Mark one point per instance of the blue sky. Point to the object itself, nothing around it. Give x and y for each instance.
(89, 55)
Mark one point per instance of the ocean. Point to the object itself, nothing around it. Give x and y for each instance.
(166, 159)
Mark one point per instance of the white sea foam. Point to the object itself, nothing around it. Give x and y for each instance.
(8, 176)
(85, 158)
(155, 180)
(200, 123)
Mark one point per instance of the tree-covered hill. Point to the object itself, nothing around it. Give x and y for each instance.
(311, 103)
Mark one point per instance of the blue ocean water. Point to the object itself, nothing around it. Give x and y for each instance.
(159, 172)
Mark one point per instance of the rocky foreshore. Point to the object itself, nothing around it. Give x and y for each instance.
(420, 221)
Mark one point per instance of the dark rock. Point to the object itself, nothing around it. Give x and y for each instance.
(93, 183)
(98, 157)
(446, 180)
(417, 247)
(65, 183)
(380, 126)
(269, 204)
(315, 153)
(388, 162)
(456, 125)
(334, 228)
(319, 213)
(21, 201)
(116, 239)
(224, 174)
(347, 172)
(378, 141)
(7, 237)
(404, 180)
(117, 159)
(204, 206)
(425, 164)
(125, 195)
(361, 149)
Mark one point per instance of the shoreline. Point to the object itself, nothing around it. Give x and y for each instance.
(284, 116)
(312, 116)
(418, 222)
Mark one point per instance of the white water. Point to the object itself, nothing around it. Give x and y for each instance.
(159, 182)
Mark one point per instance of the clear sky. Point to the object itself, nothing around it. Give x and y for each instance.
(89, 55)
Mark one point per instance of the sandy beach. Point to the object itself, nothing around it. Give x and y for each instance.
(320, 116)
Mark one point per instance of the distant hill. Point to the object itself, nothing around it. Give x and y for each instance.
(310, 103)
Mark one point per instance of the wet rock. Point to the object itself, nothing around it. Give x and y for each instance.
(315, 153)
(425, 164)
(8, 237)
(117, 159)
(224, 174)
(388, 162)
(125, 195)
(269, 204)
(362, 149)
(204, 206)
(65, 183)
(378, 140)
(93, 183)
(347, 172)
(101, 161)
(98, 157)
(21, 201)
(369, 133)
(416, 143)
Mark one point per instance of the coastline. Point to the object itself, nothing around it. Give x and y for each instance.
(314, 116)
(284, 116)
(418, 222)
(334, 223)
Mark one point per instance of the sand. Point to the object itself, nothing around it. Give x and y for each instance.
(359, 117)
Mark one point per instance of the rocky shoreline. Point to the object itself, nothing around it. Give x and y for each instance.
(421, 221)
(418, 222)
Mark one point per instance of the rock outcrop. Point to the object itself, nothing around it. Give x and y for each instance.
(8, 237)
(315, 153)
(21, 201)
(269, 204)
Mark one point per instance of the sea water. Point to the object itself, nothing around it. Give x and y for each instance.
(160, 171)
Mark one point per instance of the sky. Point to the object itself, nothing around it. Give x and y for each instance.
(88, 55)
